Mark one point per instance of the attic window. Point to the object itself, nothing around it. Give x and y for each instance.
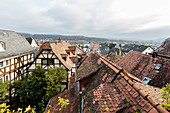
(146, 80)
(1, 64)
(158, 66)
(64, 58)
(7, 62)
(2, 46)
(4, 33)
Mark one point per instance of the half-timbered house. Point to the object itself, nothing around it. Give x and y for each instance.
(15, 55)
(61, 54)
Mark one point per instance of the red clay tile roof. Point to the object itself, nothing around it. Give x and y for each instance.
(88, 66)
(73, 106)
(114, 58)
(45, 45)
(108, 90)
(142, 65)
(59, 50)
(164, 48)
(93, 47)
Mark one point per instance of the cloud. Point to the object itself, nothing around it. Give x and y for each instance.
(101, 18)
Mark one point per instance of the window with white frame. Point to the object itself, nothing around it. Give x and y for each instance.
(7, 78)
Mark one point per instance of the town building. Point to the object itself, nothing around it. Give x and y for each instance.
(61, 54)
(33, 43)
(16, 55)
(138, 48)
(95, 47)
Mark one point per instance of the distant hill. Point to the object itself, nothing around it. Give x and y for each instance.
(55, 37)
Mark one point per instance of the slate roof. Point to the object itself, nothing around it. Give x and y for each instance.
(142, 65)
(15, 44)
(134, 47)
(108, 90)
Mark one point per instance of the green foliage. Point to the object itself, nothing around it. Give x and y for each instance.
(63, 102)
(5, 109)
(37, 88)
(54, 77)
(30, 90)
(166, 96)
(3, 89)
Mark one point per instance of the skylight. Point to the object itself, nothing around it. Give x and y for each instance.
(146, 80)
(158, 66)
(5, 33)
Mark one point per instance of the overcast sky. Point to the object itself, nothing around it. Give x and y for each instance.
(120, 19)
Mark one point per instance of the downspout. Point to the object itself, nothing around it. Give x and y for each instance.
(47, 105)
(77, 82)
(81, 102)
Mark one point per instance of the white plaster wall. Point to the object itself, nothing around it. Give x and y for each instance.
(38, 60)
(148, 50)
(56, 61)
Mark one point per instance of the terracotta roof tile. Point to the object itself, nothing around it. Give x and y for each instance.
(141, 65)
(107, 91)
(89, 66)
(153, 110)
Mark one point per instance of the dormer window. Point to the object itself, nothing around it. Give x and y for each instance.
(68, 52)
(64, 56)
(2, 46)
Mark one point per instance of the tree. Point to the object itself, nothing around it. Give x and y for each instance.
(54, 77)
(3, 89)
(30, 90)
(38, 88)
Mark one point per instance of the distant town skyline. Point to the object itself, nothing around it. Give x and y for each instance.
(113, 19)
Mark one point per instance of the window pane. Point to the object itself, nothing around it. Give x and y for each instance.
(6, 62)
(6, 77)
(44, 61)
(51, 61)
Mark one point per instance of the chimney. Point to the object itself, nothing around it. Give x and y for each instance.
(59, 40)
(154, 55)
